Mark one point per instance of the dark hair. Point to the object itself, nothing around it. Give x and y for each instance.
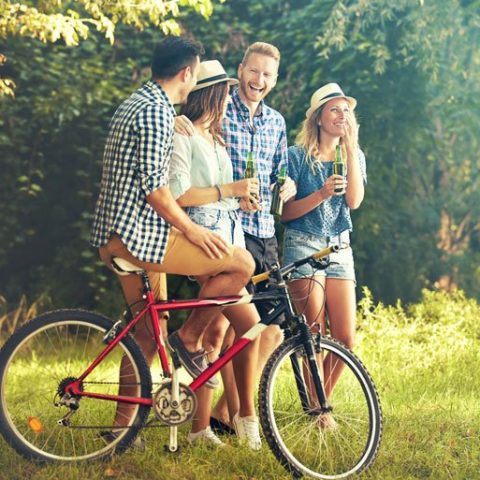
(208, 103)
(172, 54)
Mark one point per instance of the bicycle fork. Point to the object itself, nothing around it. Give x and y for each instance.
(307, 342)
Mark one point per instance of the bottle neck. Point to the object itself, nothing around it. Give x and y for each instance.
(338, 154)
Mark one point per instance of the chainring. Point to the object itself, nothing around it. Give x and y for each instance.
(174, 413)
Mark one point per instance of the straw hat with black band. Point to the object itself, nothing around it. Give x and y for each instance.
(326, 93)
(212, 72)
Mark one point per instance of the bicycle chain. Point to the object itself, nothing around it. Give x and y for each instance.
(92, 427)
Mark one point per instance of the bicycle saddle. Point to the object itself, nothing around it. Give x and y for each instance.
(124, 267)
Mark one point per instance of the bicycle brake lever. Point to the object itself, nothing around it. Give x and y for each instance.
(319, 264)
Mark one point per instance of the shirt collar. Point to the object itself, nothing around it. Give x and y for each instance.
(158, 92)
(237, 101)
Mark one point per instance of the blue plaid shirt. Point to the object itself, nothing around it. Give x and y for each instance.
(135, 163)
(267, 138)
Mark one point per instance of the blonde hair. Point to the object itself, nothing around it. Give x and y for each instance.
(309, 138)
(262, 48)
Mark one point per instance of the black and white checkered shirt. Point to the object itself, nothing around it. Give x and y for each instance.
(135, 163)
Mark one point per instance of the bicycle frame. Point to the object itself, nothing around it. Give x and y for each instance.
(71, 418)
(153, 308)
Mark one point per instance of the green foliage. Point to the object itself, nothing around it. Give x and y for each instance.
(417, 83)
(13, 318)
(51, 21)
(415, 69)
(52, 137)
(423, 360)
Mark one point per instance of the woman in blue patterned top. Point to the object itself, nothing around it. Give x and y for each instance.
(319, 216)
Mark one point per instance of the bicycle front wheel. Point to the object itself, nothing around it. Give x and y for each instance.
(44, 356)
(344, 442)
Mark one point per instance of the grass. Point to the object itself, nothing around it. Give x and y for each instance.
(424, 360)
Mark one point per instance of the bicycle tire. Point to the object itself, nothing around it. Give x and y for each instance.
(297, 437)
(53, 347)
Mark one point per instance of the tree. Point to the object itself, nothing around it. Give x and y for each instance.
(415, 69)
(413, 66)
(52, 133)
(51, 21)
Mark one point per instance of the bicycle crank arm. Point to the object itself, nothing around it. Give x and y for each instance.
(173, 441)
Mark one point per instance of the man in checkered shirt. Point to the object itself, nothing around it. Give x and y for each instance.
(137, 218)
(252, 126)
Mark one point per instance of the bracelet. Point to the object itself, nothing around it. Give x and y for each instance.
(220, 196)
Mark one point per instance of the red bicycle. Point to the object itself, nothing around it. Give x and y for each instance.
(60, 375)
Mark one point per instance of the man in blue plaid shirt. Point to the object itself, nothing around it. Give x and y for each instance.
(137, 219)
(252, 126)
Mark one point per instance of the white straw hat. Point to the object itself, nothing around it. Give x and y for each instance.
(212, 72)
(326, 93)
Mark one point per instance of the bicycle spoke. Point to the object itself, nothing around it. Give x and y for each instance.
(55, 352)
(321, 445)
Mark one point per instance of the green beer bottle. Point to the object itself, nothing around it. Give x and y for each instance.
(338, 166)
(250, 170)
(276, 207)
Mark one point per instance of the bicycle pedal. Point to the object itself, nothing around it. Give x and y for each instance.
(175, 360)
(167, 449)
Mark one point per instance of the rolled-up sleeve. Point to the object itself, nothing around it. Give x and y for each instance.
(180, 166)
(154, 132)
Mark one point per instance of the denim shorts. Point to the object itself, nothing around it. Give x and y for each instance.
(297, 245)
(226, 223)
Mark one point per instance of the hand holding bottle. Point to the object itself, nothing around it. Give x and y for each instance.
(250, 204)
(340, 169)
(332, 184)
(288, 190)
(248, 187)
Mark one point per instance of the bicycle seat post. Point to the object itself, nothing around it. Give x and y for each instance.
(146, 283)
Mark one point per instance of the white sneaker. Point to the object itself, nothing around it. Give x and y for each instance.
(247, 431)
(206, 437)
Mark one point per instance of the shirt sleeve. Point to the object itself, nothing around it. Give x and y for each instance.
(280, 157)
(154, 136)
(293, 155)
(180, 165)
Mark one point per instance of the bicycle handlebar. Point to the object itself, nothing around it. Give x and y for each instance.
(288, 268)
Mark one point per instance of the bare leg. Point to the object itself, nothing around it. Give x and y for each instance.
(341, 307)
(308, 297)
(228, 404)
(201, 420)
(230, 282)
(242, 318)
(270, 339)
(132, 288)
(243, 376)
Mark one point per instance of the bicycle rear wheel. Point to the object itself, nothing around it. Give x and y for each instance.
(300, 438)
(49, 352)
